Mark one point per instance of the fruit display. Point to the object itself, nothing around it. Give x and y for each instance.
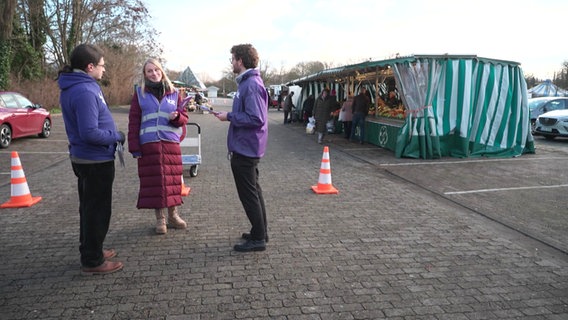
(394, 110)
(384, 111)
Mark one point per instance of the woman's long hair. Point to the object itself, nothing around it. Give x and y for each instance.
(168, 85)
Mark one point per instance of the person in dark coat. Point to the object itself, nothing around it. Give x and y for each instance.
(323, 108)
(361, 105)
(346, 116)
(280, 99)
(155, 129)
(198, 99)
(288, 107)
(308, 107)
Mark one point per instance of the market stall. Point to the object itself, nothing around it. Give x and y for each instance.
(427, 106)
(546, 89)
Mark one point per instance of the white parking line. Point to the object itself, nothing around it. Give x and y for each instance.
(507, 189)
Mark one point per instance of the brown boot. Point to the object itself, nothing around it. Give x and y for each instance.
(109, 253)
(174, 219)
(106, 267)
(161, 222)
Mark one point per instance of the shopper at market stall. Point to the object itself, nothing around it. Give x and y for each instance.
(280, 100)
(198, 99)
(346, 116)
(156, 125)
(288, 107)
(246, 141)
(361, 106)
(323, 108)
(93, 139)
(308, 107)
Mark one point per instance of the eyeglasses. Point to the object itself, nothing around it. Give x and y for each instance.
(232, 59)
(99, 65)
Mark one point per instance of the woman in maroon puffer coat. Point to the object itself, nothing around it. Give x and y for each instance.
(155, 129)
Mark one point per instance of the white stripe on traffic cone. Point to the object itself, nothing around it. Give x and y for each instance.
(324, 181)
(20, 192)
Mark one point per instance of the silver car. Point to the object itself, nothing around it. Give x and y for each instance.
(552, 124)
(538, 106)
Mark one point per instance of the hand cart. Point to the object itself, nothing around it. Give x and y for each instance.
(191, 142)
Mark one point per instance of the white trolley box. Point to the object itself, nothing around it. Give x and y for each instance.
(191, 142)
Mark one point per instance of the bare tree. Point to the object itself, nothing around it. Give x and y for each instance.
(33, 22)
(303, 69)
(561, 77)
(28, 38)
(124, 69)
(111, 22)
(264, 68)
(121, 27)
(7, 10)
(227, 82)
(46, 31)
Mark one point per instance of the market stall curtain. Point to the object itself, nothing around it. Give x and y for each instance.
(418, 81)
(482, 110)
(463, 108)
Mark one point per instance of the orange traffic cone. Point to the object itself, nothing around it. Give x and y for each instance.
(324, 182)
(185, 190)
(21, 196)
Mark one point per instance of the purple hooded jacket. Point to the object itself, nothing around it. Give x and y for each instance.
(248, 129)
(90, 128)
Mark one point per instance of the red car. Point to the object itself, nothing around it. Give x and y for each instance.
(19, 117)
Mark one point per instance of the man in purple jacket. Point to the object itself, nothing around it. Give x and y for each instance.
(246, 141)
(93, 138)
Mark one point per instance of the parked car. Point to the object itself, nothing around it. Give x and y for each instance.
(552, 124)
(19, 117)
(538, 106)
(231, 94)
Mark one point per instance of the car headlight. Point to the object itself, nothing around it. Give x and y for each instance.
(563, 119)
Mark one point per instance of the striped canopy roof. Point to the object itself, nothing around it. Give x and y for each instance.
(355, 70)
(547, 89)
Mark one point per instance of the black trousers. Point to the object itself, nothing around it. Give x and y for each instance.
(347, 129)
(287, 116)
(245, 173)
(94, 184)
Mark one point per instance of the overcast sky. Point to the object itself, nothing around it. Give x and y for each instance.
(200, 34)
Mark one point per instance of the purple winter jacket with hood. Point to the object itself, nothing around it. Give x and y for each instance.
(248, 129)
(90, 128)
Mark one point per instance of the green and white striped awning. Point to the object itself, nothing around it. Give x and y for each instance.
(463, 107)
(458, 105)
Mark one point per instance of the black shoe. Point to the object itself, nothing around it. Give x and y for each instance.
(247, 236)
(250, 245)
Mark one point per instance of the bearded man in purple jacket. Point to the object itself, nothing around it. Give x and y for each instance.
(246, 142)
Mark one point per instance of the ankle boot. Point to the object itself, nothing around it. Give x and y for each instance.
(161, 222)
(174, 219)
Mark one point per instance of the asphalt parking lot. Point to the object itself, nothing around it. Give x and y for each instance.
(403, 239)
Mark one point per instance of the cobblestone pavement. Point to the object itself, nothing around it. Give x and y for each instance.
(393, 243)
